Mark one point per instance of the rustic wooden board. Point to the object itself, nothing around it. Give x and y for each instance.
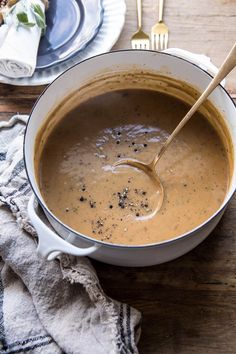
(188, 305)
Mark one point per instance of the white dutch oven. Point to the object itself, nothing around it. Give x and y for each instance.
(66, 240)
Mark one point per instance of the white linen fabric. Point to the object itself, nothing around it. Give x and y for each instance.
(19, 44)
(49, 307)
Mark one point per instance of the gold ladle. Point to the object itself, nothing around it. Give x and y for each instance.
(150, 168)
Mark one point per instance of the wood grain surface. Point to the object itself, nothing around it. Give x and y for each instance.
(188, 305)
(201, 26)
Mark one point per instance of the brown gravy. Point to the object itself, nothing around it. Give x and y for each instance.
(81, 188)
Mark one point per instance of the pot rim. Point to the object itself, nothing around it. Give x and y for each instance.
(107, 244)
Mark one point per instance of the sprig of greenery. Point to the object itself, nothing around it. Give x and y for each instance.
(39, 16)
(23, 18)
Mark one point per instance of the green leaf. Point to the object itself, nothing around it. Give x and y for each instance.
(40, 22)
(29, 24)
(22, 17)
(37, 10)
(39, 17)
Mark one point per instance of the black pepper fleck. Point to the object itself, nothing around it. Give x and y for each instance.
(92, 204)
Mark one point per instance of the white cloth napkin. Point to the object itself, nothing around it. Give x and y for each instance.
(49, 307)
(19, 46)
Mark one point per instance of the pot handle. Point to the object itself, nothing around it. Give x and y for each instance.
(201, 60)
(50, 245)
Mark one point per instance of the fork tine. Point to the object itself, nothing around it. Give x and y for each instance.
(166, 40)
(161, 41)
(157, 42)
(153, 39)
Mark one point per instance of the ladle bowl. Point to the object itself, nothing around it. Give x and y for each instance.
(150, 170)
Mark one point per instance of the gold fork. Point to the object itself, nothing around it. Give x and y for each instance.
(140, 40)
(159, 32)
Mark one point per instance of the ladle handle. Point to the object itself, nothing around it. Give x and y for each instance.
(226, 67)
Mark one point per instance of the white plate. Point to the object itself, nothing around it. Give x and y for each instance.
(113, 22)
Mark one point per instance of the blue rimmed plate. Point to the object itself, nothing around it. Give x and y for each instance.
(108, 33)
(71, 25)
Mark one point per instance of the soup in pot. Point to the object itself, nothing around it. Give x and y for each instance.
(82, 188)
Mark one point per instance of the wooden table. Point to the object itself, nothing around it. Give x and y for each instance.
(188, 305)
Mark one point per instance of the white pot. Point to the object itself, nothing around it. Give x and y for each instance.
(51, 242)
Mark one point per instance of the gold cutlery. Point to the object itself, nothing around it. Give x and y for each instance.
(140, 40)
(159, 32)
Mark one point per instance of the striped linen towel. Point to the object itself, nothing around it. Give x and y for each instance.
(49, 307)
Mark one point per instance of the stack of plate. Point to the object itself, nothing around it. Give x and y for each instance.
(76, 30)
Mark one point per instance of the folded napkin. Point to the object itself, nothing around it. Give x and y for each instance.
(49, 307)
(19, 44)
